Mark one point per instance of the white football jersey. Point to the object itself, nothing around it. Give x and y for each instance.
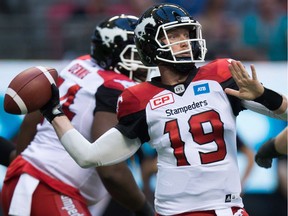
(83, 87)
(192, 126)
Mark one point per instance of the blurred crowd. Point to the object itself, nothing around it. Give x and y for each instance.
(254, 30)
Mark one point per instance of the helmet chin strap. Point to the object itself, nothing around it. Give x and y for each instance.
(184, 68)
(181, 68)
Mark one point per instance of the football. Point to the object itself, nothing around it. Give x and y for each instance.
(30, 90)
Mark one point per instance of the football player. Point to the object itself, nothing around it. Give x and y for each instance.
(44, 179)
(188, 114)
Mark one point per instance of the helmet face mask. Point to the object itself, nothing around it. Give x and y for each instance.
(196, 46)
(155, 25)
(130, 61)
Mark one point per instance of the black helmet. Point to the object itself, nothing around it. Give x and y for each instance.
(153, 26)
(113, 47)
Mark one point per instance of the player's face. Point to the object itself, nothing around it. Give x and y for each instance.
(178, 37)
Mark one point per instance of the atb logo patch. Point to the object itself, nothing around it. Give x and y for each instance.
(201, 89)
(161, 101)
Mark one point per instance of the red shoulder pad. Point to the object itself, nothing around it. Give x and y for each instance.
(84, 57)
(216, 70)
(115, 81)
(136, 98)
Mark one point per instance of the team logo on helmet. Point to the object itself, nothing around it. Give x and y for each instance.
(140, 28)
(108, 34)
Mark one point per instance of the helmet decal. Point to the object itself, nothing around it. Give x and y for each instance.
(113, 47)
(140, 28)
(108, 35)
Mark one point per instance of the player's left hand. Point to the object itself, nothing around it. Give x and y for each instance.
(53, 107)
(249, 88)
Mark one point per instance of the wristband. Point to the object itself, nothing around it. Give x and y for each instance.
(270, 99)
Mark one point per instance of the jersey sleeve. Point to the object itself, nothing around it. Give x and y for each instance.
(131, 117)
(106, 99)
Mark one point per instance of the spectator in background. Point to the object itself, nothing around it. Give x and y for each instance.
(13, 7)
(220, 29)
(112, 7)
(241, 8)
(4, 7)
(194, 7)
(66, 18)
(264, 32)
(283, 6)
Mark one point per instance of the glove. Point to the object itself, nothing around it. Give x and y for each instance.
(146, 210)
(266, 153)
(53, 107)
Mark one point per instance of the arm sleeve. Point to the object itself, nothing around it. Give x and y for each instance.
(110, 148)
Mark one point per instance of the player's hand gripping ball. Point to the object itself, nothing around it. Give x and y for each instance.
(30, 90)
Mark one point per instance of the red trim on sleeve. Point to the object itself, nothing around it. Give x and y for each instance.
(136, 98)
(115, 81)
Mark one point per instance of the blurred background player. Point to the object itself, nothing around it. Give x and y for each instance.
(273, 148)
(44, 170)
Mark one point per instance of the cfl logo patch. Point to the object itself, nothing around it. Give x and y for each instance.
(161, 101)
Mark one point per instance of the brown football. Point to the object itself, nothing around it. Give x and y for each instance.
(30, 90)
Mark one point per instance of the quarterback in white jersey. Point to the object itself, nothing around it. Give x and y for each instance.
(44, 172)
(192, 126)
(188, 115)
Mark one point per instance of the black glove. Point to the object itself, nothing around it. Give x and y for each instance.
(53, 107)
(146, 210)
(266, 153)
